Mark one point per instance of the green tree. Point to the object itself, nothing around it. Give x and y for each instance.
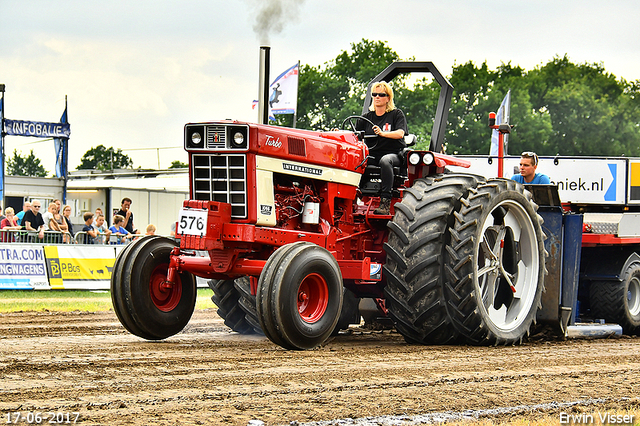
(329, 94)
(479, 91)
(177, 164)
(591, 111)
(29, 165)
(102, 158)
(558, 108)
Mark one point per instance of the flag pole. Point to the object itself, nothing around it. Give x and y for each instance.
(295, 111)
(2, 143)
(65, 148)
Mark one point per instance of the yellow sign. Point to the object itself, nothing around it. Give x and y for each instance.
(68, 264)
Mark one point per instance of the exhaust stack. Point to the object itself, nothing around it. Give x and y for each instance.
(263, 89)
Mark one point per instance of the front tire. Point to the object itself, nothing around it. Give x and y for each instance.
(300, 296)
(495, 264)
(143, 302)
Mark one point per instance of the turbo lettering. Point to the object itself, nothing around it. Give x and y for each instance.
(274, 142)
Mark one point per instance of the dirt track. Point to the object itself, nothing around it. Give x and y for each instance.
(87, 363)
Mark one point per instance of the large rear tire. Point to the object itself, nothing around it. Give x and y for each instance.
(495, 264)
(618, 301)
(414, 269)
(143, 302)
(300, 295)
(232, 302)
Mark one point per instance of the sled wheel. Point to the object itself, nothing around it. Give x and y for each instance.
(150, 308)
(495, 264)
(618, 301)
(299, 296)
(414, 268)
(227, 298)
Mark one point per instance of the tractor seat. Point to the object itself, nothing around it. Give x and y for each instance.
(371, 180)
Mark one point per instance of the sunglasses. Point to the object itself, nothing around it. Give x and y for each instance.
(36, 207)
(530, 154)
(379, 94)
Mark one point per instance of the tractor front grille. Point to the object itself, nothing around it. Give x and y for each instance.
(221, 178)
(216, 137)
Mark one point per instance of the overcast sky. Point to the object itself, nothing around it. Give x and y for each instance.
(136, 71)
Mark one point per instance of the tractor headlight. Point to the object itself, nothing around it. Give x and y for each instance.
(194, 137)
(414, 158)
(237, 137)
(428, 158)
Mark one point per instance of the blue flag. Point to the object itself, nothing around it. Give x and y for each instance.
(501, 117)
(284, 92)
(61, 146)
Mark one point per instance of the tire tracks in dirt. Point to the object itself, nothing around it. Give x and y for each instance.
(207, 375)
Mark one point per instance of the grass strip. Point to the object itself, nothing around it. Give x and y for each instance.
(72, 300)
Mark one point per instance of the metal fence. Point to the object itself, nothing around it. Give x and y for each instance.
(57, 237)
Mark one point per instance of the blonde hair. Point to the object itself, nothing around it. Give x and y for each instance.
(388, 90)
(8, 211)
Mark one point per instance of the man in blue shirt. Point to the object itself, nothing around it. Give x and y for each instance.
(528, 175)
(25, 208)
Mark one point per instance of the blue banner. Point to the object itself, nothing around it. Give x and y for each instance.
(61, 147)
(36, 129)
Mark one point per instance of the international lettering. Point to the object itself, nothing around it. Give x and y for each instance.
(302, 169)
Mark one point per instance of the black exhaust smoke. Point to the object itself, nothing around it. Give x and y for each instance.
(263, 90)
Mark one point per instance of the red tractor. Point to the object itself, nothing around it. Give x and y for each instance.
(282, 222)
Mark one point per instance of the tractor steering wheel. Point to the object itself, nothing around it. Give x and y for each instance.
(351, 119)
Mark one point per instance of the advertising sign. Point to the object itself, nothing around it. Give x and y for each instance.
(579, 180)
(36, 129)
(22, 267)
(72, 267)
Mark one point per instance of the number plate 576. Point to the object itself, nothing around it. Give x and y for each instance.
(192, 222)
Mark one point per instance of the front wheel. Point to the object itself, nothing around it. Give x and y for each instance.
(495, 264)
(145, 303)
(300, 296)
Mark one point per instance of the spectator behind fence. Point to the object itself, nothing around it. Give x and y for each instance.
(151, 229)
(33, 219)
(104, 233)
(25, 208)
(99, 212)
(51, 224)
(8, 224)
(118, 230)
(127, 215)
(66, 214)
(91, 233)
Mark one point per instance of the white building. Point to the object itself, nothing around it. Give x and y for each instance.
(156, 195)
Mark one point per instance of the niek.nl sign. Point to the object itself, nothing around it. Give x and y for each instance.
(36, 129)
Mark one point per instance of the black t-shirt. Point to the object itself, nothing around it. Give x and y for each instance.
(36, 221)
(129, 226)
(388, 122)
